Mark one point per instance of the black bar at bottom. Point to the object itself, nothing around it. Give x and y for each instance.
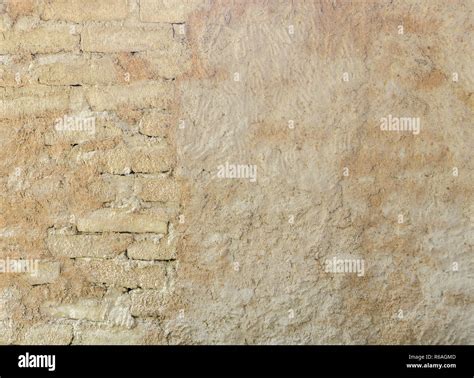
(316, 361)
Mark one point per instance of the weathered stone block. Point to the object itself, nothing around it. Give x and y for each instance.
(110, 188)
(135, 96)
(84, 309)
(48, 334)
(79, 71)
(148, 303)
(157, 124)
(48, 272)
(78, 129)
(109, 335)
(158, 189)
(85, 10)
(38, 41)
(122, 160)
(129, 274)
(33, 101)
(150, 250)
(172, 11)
(110, 39)
(103, 246)
(113, 220)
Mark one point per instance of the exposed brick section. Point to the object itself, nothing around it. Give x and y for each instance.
(112, 220)
(88, 116)
(85, 10)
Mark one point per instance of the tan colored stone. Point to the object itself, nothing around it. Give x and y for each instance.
(108, 335)
(124, 160)
(113, 39)
(85, 10)
(157, 124)
(103, 246)
(48, 272)
(149, 303)
(41, 40)
(113, 220)
(33, 101)
(158, 189)
(7, 333)
(136, 96)
(82, 128)
(150, 250)
(48, 334)
(86, 309)
(128, 274)
(110, 188)
(79, 71)
(172, 11)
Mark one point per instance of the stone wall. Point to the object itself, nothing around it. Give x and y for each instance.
(210, 171)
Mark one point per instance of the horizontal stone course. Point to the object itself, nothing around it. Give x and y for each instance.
(140, 95)
(48, 334)
(80, 128)
(112, 39)
(38, 41)
(34, 101)
(84, 10)
(151, 250)
(158, 189)
(148, 303)
(124, 160)
(79, 70)
(84, 309)
(156, 123)
(48, 272)
(128, 274)
(103, 246)
(114, 220)
(174, 11)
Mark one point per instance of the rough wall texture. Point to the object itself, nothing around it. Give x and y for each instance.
(210, 171)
